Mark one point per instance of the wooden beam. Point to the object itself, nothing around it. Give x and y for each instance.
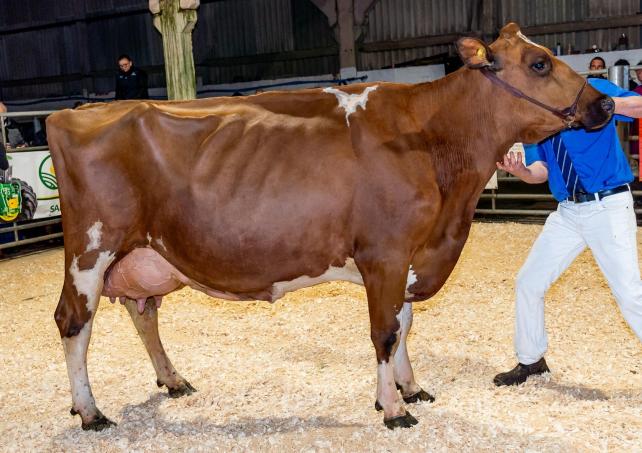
(564, 27)
(411, 43)
(345, 19)
(585, 25)
(329, 9)
(272, 57)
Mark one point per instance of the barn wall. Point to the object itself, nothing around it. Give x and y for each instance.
(62, 47)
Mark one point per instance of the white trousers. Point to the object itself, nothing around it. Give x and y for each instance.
(608, 227)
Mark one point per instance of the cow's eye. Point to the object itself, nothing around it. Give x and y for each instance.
(539, 66)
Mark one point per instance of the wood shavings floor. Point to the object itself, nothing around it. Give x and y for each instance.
(299, 375)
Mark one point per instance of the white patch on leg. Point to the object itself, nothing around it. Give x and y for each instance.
(410, 280)
(76, 354)
(404, 375)
(89, 282)
(348, 272)
(149, 238)
(387, 394)
(160, 242)
(95, 233)
(350, 102)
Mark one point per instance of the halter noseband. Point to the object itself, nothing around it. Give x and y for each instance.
(567, 115)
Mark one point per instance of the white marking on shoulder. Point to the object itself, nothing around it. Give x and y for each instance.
(350, 102)
(523, 36)
(410, 280)
(348, 272)
(89, 282)
(95, 233)
(160, 242)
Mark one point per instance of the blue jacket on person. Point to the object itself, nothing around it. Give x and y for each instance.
(597, 155)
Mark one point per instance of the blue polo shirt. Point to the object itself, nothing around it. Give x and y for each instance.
(597, 155)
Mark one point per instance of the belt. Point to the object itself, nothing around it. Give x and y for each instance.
(583, 197)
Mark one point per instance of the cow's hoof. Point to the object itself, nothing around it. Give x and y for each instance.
(98, 424)
(402, 421)
(421, 395)
(182, 389)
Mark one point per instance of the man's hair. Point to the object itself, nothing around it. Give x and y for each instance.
(598, 58)
(621, 62)
(124, 57)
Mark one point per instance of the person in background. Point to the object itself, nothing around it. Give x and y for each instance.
(597, 64)
(589, 175)
(131, 82)
(14, 136)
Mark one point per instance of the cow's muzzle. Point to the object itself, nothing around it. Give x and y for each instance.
(597, 113)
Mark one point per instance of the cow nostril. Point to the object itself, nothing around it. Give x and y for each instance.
(607, 105)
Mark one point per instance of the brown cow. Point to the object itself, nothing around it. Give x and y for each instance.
(249, 198)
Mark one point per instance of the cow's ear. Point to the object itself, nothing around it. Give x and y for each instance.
(474, 53)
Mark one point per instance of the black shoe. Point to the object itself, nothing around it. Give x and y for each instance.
(520, 373)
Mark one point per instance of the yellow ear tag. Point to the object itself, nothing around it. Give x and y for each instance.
(481, 52)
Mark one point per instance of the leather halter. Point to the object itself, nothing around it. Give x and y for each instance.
(567, 115)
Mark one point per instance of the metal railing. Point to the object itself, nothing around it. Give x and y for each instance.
(18, 229)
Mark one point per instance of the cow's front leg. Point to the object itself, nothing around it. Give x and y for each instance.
(147, 327)
(385, 291)
(404, 376)
(74, 317)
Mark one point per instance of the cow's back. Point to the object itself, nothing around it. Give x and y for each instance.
(232, 183)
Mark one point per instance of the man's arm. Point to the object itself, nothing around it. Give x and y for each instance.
(535, 173)
(630, 106)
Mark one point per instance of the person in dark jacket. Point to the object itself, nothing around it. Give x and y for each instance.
(131, 82)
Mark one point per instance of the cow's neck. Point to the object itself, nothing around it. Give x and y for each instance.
(473, 115)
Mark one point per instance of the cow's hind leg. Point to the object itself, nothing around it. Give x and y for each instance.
(74, 316)
(385, 289)
(147, 327)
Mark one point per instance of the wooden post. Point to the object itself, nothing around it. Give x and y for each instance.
(347, 58)
(175, 20)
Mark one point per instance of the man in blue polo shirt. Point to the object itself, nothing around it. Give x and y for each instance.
(588, 174)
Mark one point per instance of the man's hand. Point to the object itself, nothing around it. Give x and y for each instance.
(514, 165)
(535, 173)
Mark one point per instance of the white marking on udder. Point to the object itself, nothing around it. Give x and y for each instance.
(350, 102)
(159, 241)
(410, 280)
(348, 272)
(522, 36)
(94, 233)
(89, 282)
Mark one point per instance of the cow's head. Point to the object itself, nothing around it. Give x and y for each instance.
(545, 92)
